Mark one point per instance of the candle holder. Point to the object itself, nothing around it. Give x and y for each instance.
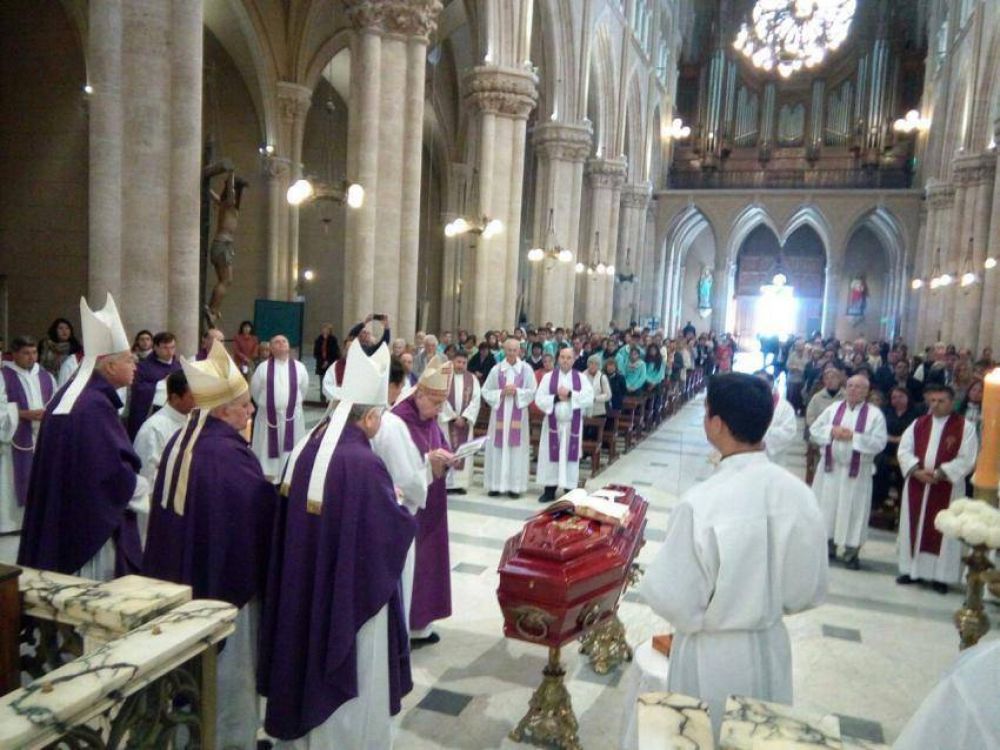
(971, 619)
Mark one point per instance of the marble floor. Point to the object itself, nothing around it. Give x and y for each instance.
(869, 654)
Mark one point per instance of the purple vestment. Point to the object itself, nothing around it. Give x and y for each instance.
(431, 598)
(329, 574)
(148, 373)
(22, 451)
(82, 479)
(219, 546)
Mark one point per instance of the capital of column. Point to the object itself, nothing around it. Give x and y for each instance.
(563, 141)
(276, 167)
(637, 196)
(502, 91)
(411, 18)
(609, 173)
(975, 169)
(940, 195)
(294, 100)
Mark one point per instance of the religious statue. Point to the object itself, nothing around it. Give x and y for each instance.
(705, 289)
(857, 296)
(221, 251)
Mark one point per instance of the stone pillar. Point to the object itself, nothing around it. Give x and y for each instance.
(293, 109)
(384, 155)
(650, 275)
(989, 329)
(561, 149)
(954, 249)
(185, 169)
(104, 74)
(500, 99)
(605, 178)
(631, 244)
(145, 67)
(976, 174)
(276, 170)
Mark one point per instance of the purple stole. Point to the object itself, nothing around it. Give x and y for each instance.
(859, 426)
(458, 435)
(272, 412)
(23, 442)
(516, 413)
(574, 430)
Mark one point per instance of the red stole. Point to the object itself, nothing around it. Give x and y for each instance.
(939, 494)
(458, 435)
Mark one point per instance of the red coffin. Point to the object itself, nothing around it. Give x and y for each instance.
(563, 574)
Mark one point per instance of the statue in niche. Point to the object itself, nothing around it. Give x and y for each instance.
(705, 289)
(222, 251)
(857, 296)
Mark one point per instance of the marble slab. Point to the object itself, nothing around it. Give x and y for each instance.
(76, 692)
(117, 606)
(751, 724)
(671, 721)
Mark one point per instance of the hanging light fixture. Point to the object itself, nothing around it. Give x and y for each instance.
(305, 189)
(551, 250)
(677, 130)
(478, 224)
(789, 35)
(911, 122)
(596, 267)
(968, 273)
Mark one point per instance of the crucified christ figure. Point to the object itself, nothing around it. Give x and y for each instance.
(221, 251)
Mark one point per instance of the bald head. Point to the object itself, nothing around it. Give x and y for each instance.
(279, 347)
(566, 358)
(857, 389)
(511, 350)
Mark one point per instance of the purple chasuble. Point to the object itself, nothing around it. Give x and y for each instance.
(574, 429)
(288, 418)
(23, 443)
(219, 547)
(431, 599)
(329, 574)
(82, 479)
(516, 413)
(859, 426)
(148, 373)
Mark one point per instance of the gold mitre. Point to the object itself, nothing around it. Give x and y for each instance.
(436, 377)
(215, 380)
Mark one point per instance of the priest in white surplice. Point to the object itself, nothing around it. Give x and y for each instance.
(458, 418)
(936, 453)
(849, 433)
(784, 428)
(278, 388)
(25, 389)
(742, 549)
(563, 396)
(509, 390)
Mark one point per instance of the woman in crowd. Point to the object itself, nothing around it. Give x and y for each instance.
(635, 371)
(599, 382)
(962, 378)
(656, 373)
(970, 405)
(725, 350)
(888, 482)
(246, 347)
(59, 343)
(482, 361)
(142, 345)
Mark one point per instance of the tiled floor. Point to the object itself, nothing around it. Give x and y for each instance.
(869, 654)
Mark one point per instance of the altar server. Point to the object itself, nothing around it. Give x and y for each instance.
(509, 390)
(783, 430)
(210, 527)
(742, 549)
(334, 659)
(278, 388)
(25, 389)
(149, 373)
(563, 395)
(936, 453)
(156, 431)
(458, 416)
(79, 517)
(850, 433)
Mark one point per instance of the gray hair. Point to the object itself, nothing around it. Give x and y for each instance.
(430, 338)
(359, 411)
(594, 358)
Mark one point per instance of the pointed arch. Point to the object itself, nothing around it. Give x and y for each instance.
(891, 234)
(686, 227)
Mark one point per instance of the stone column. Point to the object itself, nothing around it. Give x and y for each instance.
(185, 169)
(500, 99)
(145, 149)
(104, 74)
(631, 244)
(954, 248)
(605, 178)
(293, 109)
(989, 330)
(276, 170)
(561, 149)
(384, 155)
(650, 275)
(976, 174)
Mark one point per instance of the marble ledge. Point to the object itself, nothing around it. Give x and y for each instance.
(751, 724)
(671, 721)
(115, 606)
(37, 714)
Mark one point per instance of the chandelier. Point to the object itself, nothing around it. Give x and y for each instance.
(552, 251)
(596, 267)
(788, 35)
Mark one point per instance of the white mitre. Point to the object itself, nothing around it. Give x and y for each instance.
(366, 382)
(215, 380)
(436, 377)
(103, 334)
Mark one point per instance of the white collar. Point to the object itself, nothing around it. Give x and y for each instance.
(172, 414)
(16, 368)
